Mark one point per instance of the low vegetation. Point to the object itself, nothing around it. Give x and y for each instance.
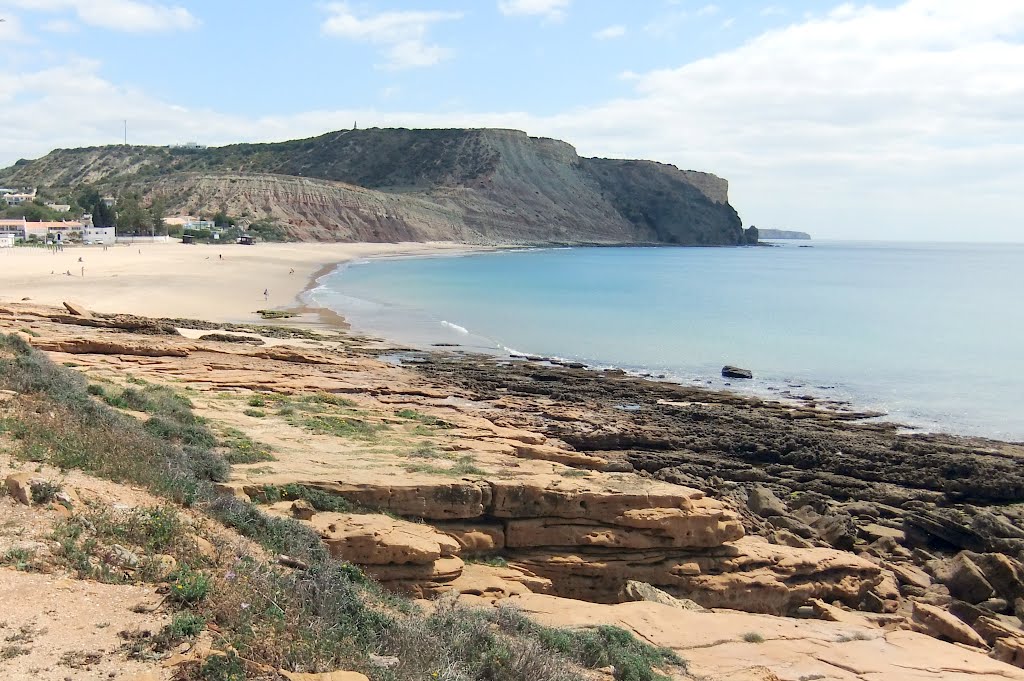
(325, 617)
(239, 448)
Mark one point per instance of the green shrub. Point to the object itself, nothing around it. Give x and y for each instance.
(189, 586)
(45, 491)
(753, 637)
(184, 625)
(255, 413)
(343, 426)
(223, 668)
(242, 449)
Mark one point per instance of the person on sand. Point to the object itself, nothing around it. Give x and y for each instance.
(266, 294)
(291, 271)
(220, 256)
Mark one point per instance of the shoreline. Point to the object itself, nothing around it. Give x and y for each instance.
(224, 283)
(795, 392)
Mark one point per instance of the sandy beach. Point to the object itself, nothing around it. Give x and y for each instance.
(223, 283)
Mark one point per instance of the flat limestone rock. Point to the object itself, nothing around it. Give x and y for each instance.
(715, 644)
(475, 537)
(495, 583)
(372, 539)
(677, 529)
(747, 575)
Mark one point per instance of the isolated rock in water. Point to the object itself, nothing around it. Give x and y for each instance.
(735, 372)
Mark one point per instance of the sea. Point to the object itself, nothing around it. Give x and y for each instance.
(931, 334)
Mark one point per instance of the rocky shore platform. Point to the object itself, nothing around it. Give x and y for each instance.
(758, 539)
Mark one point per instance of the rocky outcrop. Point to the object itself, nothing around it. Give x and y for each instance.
(585, 540)
(416, 185)
(739, 646)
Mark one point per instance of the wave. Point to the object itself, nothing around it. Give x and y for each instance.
(455, 327)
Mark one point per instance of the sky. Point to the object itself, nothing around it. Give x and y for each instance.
(897, 120)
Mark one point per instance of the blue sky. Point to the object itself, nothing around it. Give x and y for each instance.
(897, 119)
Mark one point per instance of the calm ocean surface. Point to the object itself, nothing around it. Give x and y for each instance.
(932, 334)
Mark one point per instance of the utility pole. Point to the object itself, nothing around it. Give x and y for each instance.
(126, 132)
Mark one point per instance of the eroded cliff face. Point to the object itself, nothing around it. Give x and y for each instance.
(477, 186)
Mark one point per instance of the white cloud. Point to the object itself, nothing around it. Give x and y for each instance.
(553, 10)
(865, 122)
(60, 26)
(610, 32)
(118, 15)
(402, 34)
(707, 10)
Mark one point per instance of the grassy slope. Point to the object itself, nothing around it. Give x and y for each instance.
(325, 617)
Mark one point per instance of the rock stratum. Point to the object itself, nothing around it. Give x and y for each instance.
(759, 540)
(472, 186)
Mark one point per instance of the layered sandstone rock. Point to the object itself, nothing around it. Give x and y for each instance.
(751, 647)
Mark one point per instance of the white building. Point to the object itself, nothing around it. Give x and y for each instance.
(18, 198)
(59, 207)
(99, 235)
(7, 240)
(14, 227)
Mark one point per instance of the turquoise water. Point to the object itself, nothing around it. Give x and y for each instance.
(932, 334)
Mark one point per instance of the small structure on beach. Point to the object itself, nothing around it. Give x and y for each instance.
(247, 240)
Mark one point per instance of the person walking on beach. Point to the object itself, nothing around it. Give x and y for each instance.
(266, 294)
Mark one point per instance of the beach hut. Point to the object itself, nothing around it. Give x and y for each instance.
(247, 240)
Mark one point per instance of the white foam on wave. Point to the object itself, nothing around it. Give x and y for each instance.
(455, 327)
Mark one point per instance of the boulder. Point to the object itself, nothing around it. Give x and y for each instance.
(964, 579)
(641, 591)
(76, 309)
(764, 503)
(910, 575)
(122, 557)
(1010, 651)
(991, 628)
(302, 509)
(729, 371)
(941, 624)
(1005, 574)
(19, 486)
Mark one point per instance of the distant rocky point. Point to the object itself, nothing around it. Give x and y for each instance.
(389, 185)
(782, 234)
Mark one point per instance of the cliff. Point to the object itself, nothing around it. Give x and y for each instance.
(477, 186)
(782, 234)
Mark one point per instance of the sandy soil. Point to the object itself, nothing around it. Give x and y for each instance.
(217, 283)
